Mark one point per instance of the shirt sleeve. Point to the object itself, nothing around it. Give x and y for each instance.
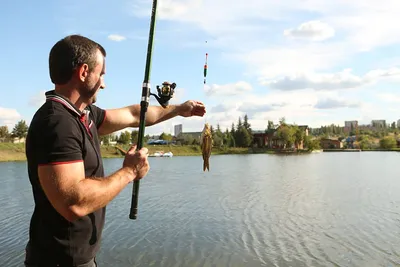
(61, 141)
(99, 115)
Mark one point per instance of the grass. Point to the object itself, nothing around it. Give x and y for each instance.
(16, 152)
(191, 150)
(12, 152)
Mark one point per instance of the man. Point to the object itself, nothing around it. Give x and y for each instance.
(64, 162)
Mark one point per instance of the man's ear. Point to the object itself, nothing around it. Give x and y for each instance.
(83, 72)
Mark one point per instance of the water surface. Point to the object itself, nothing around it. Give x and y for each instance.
(326, 209)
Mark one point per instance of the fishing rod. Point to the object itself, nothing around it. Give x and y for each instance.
(165, 93)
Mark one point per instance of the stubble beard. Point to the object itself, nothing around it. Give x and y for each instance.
(88, 91)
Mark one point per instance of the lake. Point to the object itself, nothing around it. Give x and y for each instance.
(321, 209)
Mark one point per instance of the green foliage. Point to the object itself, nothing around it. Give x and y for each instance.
(124, 138)
(243, 137)
(270, 128)
(299, 135)
(135, 136)
(388, 142)
(105, 139)
(329, 130)
(365, 142)
(286, 133)
(20, 130)
(4, 134)
(312, 144)
(218, 138)
(166, 137)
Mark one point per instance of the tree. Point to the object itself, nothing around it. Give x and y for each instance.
(105, 139)
(388, 142)
(218, 137)
(239, 124)
(287, 135)
(135, 136)
(187, 139)
(246, 123)
(233, 129)
(124, 138)
(298, 135)
(270, 126)
(166, 137)
(229, 141)
(243, 137)
(4, 134)
(282, 121)
(20, 129)
(311, 144)
(365, 142)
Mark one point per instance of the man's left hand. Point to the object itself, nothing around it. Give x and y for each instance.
(192, 108)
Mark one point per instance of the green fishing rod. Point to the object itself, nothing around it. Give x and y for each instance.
(164, 95)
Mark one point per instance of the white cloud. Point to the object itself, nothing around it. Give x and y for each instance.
(249, 31)
(389, 97)
(221, 108)
(296, 106)
(250, 36)
(335, 81)
(9, 117)
(268, 63)
(228, 89)
(311, 30)
(116, 37)
(331, 103)
(252, 108)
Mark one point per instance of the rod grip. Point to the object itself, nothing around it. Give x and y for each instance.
(134, 201)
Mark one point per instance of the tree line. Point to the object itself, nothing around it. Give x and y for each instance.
(241, 135)
(20, 130)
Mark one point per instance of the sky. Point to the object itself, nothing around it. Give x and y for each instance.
(314, 62)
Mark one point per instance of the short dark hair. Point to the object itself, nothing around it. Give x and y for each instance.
(69, 53)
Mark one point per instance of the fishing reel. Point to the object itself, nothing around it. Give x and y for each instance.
(165, 93)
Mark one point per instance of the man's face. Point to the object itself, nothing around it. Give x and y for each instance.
(95, 80)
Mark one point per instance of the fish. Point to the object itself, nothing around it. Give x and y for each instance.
(206, 146)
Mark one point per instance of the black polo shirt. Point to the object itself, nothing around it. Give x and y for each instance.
(60, 133)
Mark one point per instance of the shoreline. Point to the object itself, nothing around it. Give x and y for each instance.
(10, 152)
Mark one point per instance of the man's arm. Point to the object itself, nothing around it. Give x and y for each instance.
(118, 119)
(73, 195)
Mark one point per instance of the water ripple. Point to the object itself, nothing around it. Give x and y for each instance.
(249, 210)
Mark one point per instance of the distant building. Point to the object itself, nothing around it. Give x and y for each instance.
(271, 140)
(327, 143)
(177, 129)
(398, 124)
(350, 126)
(186, 137)
(378, 123)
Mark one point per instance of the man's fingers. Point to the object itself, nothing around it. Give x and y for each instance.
(199, 112)
(144, 151)
(199, 103)
(132, 149)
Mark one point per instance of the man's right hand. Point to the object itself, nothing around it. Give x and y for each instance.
(137, 160)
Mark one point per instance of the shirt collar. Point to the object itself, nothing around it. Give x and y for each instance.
(53, 96)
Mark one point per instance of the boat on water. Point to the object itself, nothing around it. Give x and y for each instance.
(162, 154)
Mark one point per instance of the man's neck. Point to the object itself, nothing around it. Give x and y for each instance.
(72, 95)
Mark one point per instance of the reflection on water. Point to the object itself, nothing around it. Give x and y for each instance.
(328, 209)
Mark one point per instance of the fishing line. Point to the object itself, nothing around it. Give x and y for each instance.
(205, 78)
